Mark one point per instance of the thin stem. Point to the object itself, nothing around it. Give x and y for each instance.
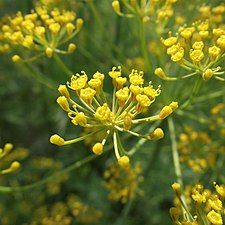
(195, 90)
(175, 151)
(115, 142)
(142, 141)
(144, 47)
(176, 161)
(80, 138)
(39, 77)
(210, 96)
(76, 165)
(62, 65)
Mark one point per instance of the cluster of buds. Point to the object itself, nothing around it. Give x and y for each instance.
(207, 204)
(40, 31)
(15, 165)
(197, 150)
(145, 10)
(51, 4)
(214, 14)
(198, 49)
(116, 114)
(122, 183)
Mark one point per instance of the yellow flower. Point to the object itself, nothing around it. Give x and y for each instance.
(87, 94)
(78, 82)
(37, 31)
(80, 119)
(196, 55)
(214, 218)
(94, 110)
(206, 46)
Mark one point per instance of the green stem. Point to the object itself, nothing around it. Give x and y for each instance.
(176, 163)
(39, 77)
(144, 47)
(62, 65)
(142, 140)
(125, 212)
(76, 165)
(175, 151)
(195, 91)
(96, 14)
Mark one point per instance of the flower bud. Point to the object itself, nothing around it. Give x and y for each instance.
(166, 111)
(207, 74)
(57, 140)
(62, 101)
(71, 48)
(116, 7)
(79, 23)
(16, 58)
(49, 52)
(98, 148)
(124, 161)
(157, 134)
(64, 91)
(160, 73)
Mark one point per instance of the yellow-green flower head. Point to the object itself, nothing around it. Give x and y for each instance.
(110, 114)
(196, 159)
(158, 10)
(197, 48)
(41, 32)
(122, 181)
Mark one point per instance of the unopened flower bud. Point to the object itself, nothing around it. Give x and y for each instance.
(116, 7)
(64, 91)
(57, 140)
(16, 58)
(62, 101)
(71, 48)
(98, 148)
(166, 111)
(160, 73)
(79, 23)
(157, 134)
(124, 161)
(49, 52)
(207, 74)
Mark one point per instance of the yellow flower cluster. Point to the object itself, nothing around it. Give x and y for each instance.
(51, 4)
(197, 150)
(198, 49)
(122, 183)
(113, 115)
(41, 31)
(145, 10)
(15, 165)
(57, 214)
(214, 14)
(208, 206)
(84, 214)
(65, 212)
